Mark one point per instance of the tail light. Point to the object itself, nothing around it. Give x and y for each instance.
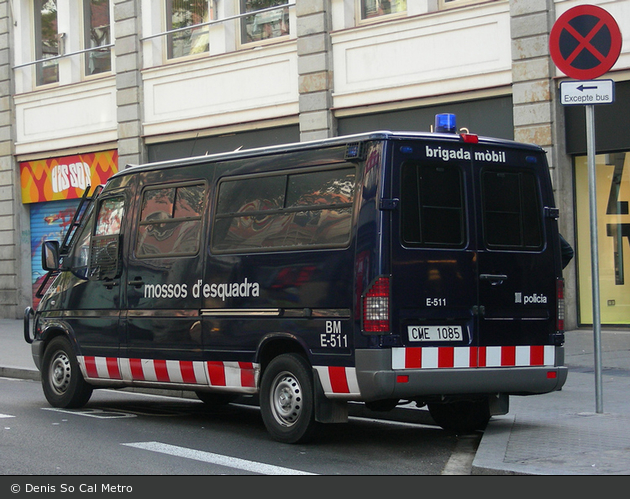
(376, 307)
(560, 305)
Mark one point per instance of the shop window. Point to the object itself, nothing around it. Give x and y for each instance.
(181, 14)
(46, 41)
(377, 8)
(97, 34)
(264, 22)
(612, 184)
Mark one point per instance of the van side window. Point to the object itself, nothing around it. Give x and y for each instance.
(105, 244)
(170, 221)
(292, 211)
(79, 258)
(432, 205)
(511, 210)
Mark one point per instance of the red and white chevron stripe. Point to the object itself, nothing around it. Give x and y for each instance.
(238, 375)
(339, 381)
(472, 357)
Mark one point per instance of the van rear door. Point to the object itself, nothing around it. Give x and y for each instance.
(517, 247)
(434, 275)
(472, 255)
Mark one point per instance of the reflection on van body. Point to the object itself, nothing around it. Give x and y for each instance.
(377, 268)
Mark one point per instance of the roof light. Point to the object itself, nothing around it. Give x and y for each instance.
(445, 123)
(470, 138)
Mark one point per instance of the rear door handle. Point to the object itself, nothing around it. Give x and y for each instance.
(493, 279)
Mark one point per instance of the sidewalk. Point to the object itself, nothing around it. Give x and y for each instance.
(554, 434)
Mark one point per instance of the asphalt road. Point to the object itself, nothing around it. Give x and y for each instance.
(123, 433)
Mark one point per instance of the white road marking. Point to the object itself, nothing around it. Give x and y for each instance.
(209, 457)
(92, 413)
(460, 462)
(6, 416)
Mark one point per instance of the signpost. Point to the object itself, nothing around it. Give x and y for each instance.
(584, 43)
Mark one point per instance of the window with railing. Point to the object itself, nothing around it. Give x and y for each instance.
(448, 4)
(46, 42)
(97, 36)
(187, 22)
(376, 8)
(264, 22)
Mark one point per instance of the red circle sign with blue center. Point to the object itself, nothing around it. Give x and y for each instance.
(585, 42)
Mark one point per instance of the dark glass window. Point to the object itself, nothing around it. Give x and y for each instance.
(432, 205)
(511, 210)
(312, 209)
(170, 221)
(97, 34)
(46, 41)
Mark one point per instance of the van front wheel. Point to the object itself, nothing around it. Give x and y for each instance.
(287, 399)
(62, 380)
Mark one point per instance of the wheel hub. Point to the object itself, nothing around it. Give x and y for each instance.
(287, 399)
(60, 373)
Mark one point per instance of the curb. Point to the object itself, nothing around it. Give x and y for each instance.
(20, 373)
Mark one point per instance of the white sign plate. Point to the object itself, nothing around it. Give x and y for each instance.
(585, 92)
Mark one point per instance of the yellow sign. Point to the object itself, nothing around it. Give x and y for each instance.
(613, 238)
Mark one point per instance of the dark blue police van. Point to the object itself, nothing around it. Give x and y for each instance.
(381, 267)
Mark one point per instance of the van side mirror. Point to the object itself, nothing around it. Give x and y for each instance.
(50, 256)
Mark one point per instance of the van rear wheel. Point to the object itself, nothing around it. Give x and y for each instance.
(62, 380)
(461, 416)
(287, 399)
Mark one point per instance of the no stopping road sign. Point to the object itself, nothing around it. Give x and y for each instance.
(585, 42)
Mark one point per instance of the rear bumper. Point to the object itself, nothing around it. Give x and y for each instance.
(377, 379)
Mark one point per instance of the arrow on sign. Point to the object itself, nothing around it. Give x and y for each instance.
(587, 92)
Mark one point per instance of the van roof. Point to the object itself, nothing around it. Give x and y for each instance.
(317, 144)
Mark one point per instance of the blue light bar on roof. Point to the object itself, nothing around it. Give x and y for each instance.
(445, 123)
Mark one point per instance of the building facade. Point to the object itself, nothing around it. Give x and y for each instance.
(91, 86)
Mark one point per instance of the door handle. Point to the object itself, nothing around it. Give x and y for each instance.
(110, 284)
(137, 282)
(493, 279)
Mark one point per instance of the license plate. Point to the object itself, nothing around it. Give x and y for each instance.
(435, 333)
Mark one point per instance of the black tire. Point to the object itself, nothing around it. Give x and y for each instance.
(462, 416)
(214, 399)
(287, 400)
(62, 380)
